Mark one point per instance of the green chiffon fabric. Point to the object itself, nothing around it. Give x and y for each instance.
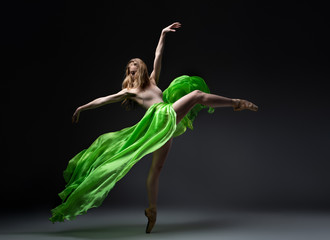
(180, 87)
(93, 172)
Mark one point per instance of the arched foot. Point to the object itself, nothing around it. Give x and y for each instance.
(240, 104)
(151, 214)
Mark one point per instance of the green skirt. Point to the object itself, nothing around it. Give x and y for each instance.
(93, 172)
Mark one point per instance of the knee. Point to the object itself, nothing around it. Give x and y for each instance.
(198, 95)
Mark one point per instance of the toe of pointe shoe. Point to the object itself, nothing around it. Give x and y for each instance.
(151, 214)
(150, 226)
(252, 107)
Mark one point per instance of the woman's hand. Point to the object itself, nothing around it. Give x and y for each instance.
(75, 117)
(172, 27)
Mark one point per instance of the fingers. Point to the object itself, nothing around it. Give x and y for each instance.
(75, 118)
(171, 28)
(176, 25)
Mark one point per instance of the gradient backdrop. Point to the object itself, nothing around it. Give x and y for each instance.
(60, 55)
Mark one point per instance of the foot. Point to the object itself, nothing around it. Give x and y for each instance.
(151, 214)
(240, 104)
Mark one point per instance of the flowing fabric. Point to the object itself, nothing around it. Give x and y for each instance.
(93, 172)
(180, 87)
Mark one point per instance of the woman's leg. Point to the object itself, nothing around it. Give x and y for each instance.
(158, 159)
(187, 102)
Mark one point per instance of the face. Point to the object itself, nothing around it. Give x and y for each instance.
(132, 68)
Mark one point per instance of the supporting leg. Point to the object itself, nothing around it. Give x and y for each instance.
(158, 159)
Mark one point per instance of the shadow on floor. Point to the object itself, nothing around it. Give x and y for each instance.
(138, 230)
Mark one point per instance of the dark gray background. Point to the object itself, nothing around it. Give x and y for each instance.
(60, 55)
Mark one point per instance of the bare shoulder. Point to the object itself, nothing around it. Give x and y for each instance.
(127, 92)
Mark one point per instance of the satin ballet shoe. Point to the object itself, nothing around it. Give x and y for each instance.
(151, 214)
(240, 104)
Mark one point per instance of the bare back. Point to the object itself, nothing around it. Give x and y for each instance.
(148, 96)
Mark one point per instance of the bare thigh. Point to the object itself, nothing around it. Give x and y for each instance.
(159, 156)
(183, 105)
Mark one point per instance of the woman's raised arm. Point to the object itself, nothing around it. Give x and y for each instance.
(159, 51)
(100, 102)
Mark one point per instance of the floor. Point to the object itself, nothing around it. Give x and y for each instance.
(171, 224)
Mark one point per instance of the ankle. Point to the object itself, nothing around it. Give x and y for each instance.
(235, 102)
(152, 207)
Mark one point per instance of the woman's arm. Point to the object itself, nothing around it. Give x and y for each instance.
(159, 51)
(100, 102)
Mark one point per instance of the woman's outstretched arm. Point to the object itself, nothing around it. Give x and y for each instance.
(159, 51)
(100, 102)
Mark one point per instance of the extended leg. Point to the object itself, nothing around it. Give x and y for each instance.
(158, 159)
(187, 102)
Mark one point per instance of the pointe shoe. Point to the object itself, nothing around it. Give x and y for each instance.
(151, 214)
(240, 104)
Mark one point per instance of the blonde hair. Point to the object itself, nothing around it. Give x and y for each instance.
(140, 80)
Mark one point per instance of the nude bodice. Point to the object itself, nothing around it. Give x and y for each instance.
(148, 96)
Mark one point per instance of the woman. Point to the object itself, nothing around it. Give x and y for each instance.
(92, 173)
